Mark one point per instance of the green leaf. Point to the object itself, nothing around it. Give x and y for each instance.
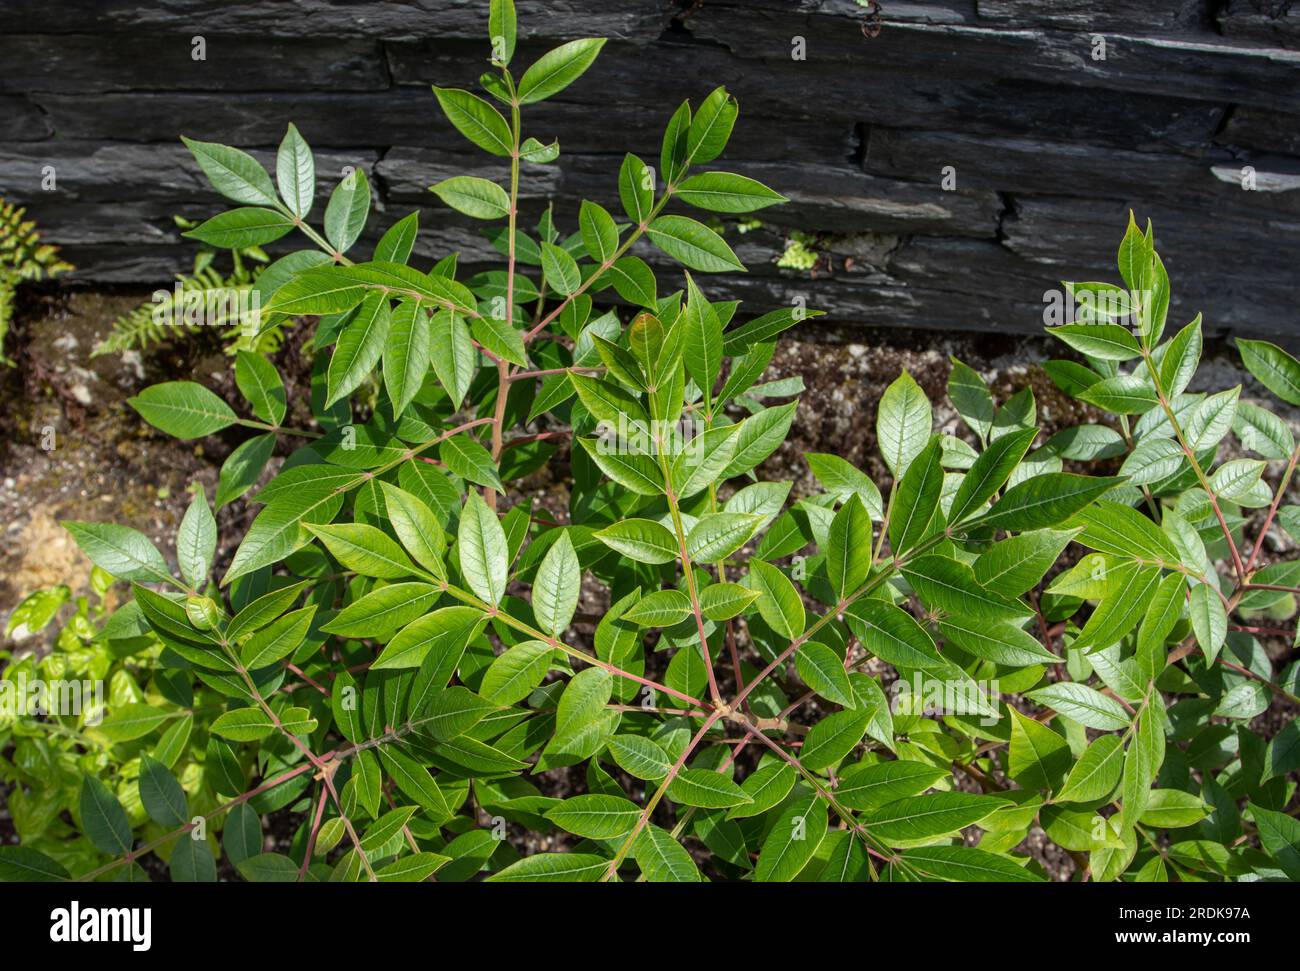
(278, 529)
(516, 672)
(453, 355)
(633, 280)
(1280, 835)
(1209, 620)
(413, 780)
(560, 269)
(990, 472)
(359, 347)
(596, 816)
(268, 868)
(1181, 357)
(182, 409)
(277, 640)
(848, 547)
(235, 174)
(476, 119)
(778, 601)
(120, 550)
(260, 383)
(383, 610)
(103, 818)
(726, 192)
(1111, 527)
(557, 69)
(916, 499)
(723, 601)
(1130, 591)
(580, 726)
(662, 859)
(439, 637)
(243, 725)
(711, 127)
(706, 789)
(1124, 394)
(346, 212)
(966, 864)
(1046, 500)
(132, 721)
(466, 458)
(501, 30)
(1096, 773)
(397, 243)
(241, 228)
(903, 423)
(406, 354)
(484, 556)
(767, 787)
(893, 635)
(841, 479)
(365, 549)
(556, 587)
(1037, 757)
(833, 738)
(642, 540)
(792, 841)
(161, 795)
(717, 535)
(21, 864)
(499, 336)
(244, 467)
(640, 757)
(1087, 706)
(473, 196)
(693, 244)
(1275, 368)
(554, 868)
(662, 608)
(1105, 342)
(924, 817)
(702, 352)
(599, 233)
(867, 785)
(635, 189)
(999, 642)
(950, 585)
(823, 671)
(417, 527)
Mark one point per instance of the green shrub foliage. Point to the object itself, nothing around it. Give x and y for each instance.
(684, 672)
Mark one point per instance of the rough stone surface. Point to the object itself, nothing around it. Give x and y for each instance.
(1050, 144)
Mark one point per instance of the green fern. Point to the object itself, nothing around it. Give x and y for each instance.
(23, 257)
(164, 317)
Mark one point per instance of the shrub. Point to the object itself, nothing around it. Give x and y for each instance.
(681, 673)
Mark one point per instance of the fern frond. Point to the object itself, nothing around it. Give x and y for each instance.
(185, 309)
(22, 257)
(21, 249)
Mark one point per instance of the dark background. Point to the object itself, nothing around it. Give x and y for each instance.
(1050, 147)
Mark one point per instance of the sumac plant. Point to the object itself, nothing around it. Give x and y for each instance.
(682, 672)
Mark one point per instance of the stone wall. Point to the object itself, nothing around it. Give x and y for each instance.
(1048, 145)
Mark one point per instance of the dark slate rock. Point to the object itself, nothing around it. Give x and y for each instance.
(1275, 22)
(144, 62)
(1156, 16)
(1068, 168)
(1184, 66)
(643, 19)
(1267, 131)
(21, 120)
